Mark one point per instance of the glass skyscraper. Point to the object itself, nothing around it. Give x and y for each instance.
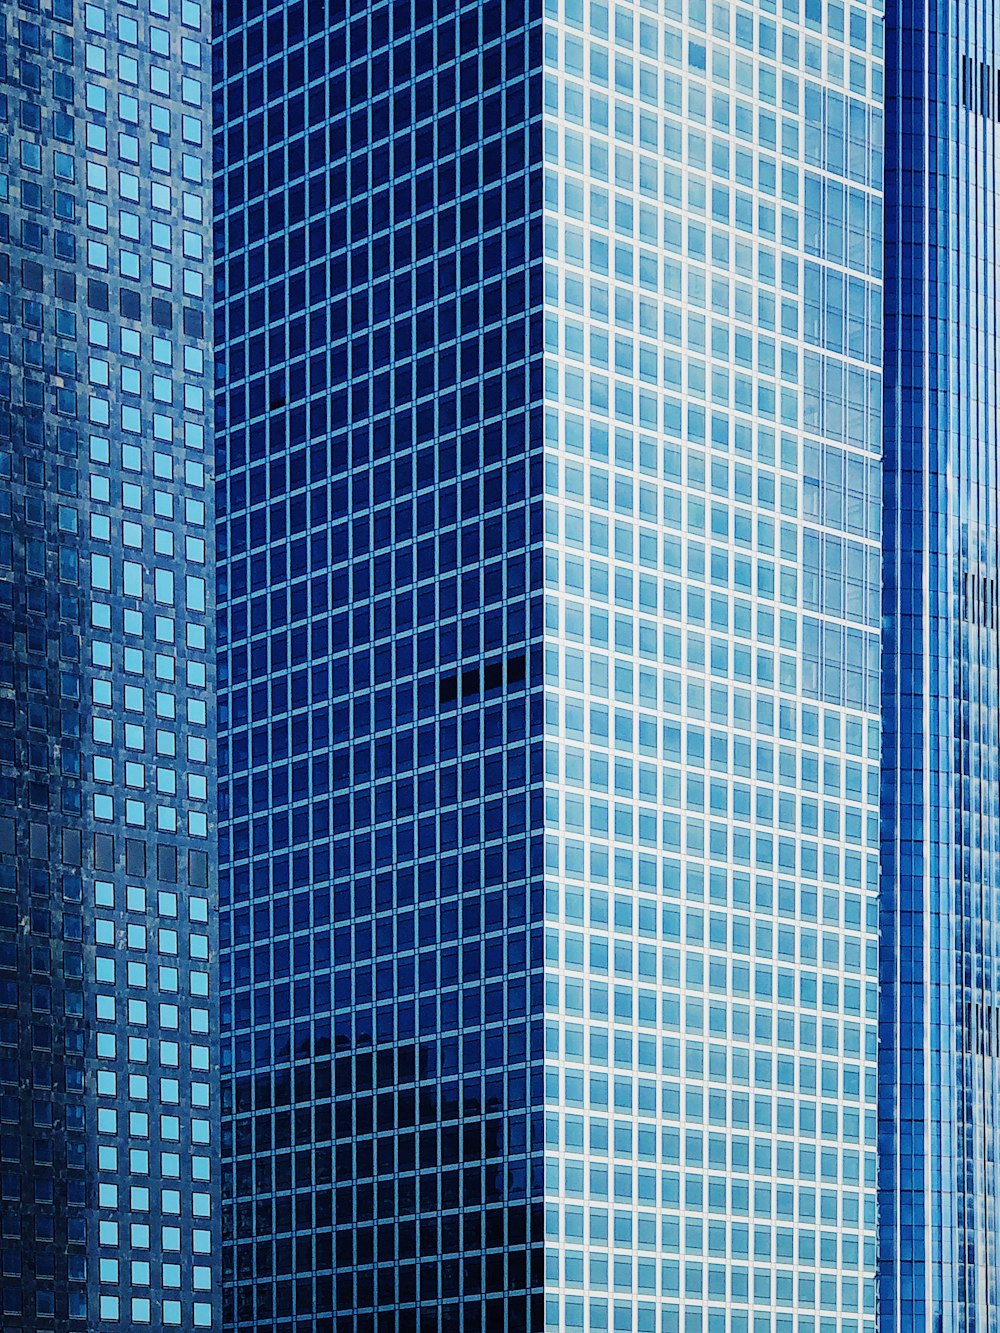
(713, 180)
(939, 1087)
(380, 458)
(549, 611)
(109, 1123)
(594, 925)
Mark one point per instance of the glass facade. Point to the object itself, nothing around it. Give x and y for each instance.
(713, 195)
(109, 1130)
(940, 817)
(379, 449)
(603, 933)
(549, 453)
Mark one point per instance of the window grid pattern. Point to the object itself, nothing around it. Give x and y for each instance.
(379, 561)
(712, 485)
(107, 1007)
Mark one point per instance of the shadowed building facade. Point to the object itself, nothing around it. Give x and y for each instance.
(378, 326)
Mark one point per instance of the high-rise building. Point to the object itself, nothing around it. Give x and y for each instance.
(549, 455)
(567, 968)
(712, 492)
(940, 961)
(109, 1125)
(379, 446)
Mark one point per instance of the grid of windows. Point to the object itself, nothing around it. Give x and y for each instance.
(698, 502)
(108, 1124)
(379, 672)
(712, 433)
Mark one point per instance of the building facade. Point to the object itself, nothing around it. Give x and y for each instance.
(109, 1123)
(712, 503)
(380, 620)
(549, 648)
(940, 818)
(582, 966)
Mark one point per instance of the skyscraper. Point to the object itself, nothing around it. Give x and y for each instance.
(549, 569)
(109, 1129)
(713, 433)
(557, 913)
(380, 620)
(940, 817)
